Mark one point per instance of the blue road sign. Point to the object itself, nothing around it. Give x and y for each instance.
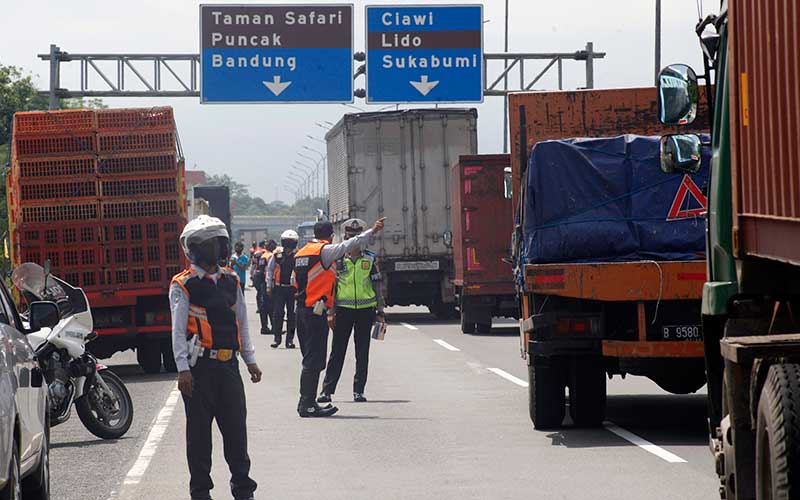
(276, 53)
(422, 54)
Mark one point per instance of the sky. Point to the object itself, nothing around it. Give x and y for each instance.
(258, 144)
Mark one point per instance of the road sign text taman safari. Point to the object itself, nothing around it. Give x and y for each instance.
(276, 53)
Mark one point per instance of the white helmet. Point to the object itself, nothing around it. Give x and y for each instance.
(200, 229)
(289, 235)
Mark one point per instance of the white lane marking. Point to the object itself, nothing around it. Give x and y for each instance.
(446, 345)
(508, 376)
(409, 326)
(644, 444)
(157, 431)
(614, 428)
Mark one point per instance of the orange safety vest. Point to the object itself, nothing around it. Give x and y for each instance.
(212, 308)
(313, 281)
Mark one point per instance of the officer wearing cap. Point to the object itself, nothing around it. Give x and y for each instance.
(280, 289)
(314, 279)
(358, 304)
(209, 332)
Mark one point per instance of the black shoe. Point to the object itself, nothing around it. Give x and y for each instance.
(313, 410)
(324, 398)
(290, 345)
(359, 398)
(276, 344)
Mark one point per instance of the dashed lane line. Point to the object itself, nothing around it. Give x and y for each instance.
(644, 444)
(446, 345)
(508, 376)
(409, 326)
(610, 426)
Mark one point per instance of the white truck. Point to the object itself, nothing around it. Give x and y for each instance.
(397, 165)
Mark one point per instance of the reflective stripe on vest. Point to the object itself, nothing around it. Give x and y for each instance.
(313, 281)
(212, 308)
(354, 288)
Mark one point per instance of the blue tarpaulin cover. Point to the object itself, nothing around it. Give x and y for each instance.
(607, 200)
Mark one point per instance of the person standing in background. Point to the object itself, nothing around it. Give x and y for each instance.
(239, 261)
(280, 290)
(260, 281)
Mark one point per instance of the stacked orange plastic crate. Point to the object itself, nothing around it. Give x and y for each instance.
(100, 194)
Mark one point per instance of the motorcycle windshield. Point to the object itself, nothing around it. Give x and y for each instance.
(32, 278)
(36, 284)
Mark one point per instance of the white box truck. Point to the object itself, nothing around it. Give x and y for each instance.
(397, 165)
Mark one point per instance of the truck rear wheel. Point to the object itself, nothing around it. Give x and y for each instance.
(778, 434)
(587, 392)
(148, 354)
(467, 326)
(545, 394)
(485, 328)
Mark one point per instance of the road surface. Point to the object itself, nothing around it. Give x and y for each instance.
(447, 419)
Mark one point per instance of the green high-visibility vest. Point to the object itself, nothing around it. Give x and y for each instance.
(354, 283)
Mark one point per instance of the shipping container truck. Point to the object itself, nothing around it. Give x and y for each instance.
(609, 266)
(397, 165)
(101, 196)
(483, 220)
(752, 297)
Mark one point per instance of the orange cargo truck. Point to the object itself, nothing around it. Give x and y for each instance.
(609, 282)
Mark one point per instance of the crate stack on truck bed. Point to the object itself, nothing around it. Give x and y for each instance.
(101, 195)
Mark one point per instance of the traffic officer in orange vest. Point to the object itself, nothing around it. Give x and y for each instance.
(315, 279)
(209, 332)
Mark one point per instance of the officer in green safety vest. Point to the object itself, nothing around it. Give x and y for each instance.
(358, 305)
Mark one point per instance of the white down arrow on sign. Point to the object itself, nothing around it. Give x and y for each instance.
(276, 86)
(424, 86)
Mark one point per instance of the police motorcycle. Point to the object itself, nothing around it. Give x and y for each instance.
(73, 375)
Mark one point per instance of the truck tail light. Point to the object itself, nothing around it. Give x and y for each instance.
(579, 326)
(156, 318)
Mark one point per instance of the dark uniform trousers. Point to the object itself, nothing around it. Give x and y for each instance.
(263, 301)
(283, 304)
(218, 394)
(359, 321)
(312, 331)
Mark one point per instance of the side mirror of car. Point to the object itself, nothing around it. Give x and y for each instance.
(681, 153)
(43, 315)
(678, 95)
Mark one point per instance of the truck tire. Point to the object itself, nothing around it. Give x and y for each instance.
(485, 328)
(467, 326)
(778, 434)
(148, 354)
(587, 392)
(167, 357)
(545, 394)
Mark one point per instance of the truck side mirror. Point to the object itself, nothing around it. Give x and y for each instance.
(43, 315)
(681, 153)
(508, 183)
(678, 95)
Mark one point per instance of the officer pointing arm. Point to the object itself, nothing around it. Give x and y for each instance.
(333, 252)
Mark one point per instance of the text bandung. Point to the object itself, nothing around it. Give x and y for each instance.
(218, 61)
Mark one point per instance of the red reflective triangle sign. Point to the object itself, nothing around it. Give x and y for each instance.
(688, 188)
